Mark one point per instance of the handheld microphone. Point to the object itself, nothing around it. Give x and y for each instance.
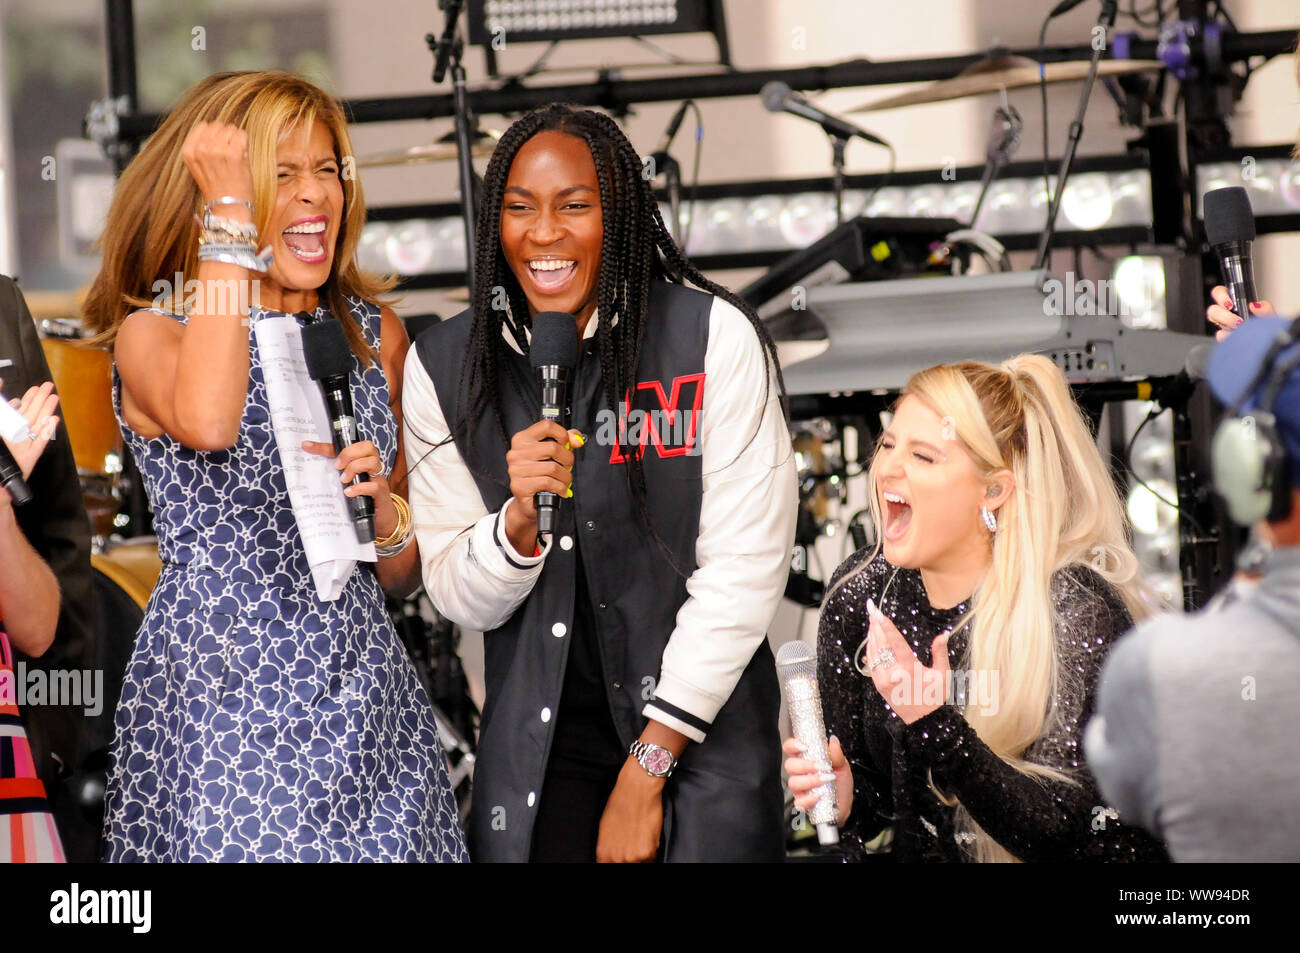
(13, 427)
(779, 97)
(11, 475)
(1230, 230)
(328, 361)
(553, 350)
(796, 665)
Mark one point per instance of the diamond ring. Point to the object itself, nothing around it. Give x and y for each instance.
(884, 658)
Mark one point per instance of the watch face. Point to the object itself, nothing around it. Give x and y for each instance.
(658, 761)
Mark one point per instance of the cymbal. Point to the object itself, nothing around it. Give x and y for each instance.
(1006, 72)
(439, 151)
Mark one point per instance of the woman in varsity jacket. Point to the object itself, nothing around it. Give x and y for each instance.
(632, 698)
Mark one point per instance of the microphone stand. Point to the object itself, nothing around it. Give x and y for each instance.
(1106, 20)
(838, 145)
(447, 50)
(1003, 143)
(673, 186)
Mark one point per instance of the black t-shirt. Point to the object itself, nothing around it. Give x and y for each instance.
(584, 732)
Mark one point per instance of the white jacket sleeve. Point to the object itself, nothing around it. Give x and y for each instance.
(747, 525)
(471, 572)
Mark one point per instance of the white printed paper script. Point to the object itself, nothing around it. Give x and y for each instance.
(315, 491)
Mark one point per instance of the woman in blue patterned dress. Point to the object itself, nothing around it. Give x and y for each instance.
(257, 721)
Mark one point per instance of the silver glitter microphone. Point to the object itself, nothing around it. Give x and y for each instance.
(796, 665)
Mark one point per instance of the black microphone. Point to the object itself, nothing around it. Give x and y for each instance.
(1230, 230)
(11, 475)
(779, 97)
(13, 427)
(674, 124)
(1196, 367)
(553, 350)
(328, 361)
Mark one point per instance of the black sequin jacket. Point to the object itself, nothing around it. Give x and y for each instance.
(1035, 819)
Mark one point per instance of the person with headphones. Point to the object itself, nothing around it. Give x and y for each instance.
(1193, 736)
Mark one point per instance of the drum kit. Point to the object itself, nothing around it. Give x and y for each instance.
(83, 377)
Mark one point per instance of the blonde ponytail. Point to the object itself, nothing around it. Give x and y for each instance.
(1064, 511)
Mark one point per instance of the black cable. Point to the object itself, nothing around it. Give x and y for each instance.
(1107, 260)
(1137, 15)
(1152, 414)
(889, 174)
(536, 66)
(695, 173)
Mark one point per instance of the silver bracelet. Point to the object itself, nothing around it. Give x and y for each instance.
(237, 230)
(387, 552)
(227, 200)
(237, 253)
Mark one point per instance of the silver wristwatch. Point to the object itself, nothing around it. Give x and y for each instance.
(657, 761)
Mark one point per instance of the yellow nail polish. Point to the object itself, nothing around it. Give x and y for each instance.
(567, 447)
(570, 493)
(580, 438)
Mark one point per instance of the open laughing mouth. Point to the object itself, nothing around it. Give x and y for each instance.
(898, 515)
(306, 240)
(550, 275)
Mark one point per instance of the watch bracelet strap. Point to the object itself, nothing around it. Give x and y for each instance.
(639, 749)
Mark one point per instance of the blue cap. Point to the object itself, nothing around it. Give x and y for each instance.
(1235, 363)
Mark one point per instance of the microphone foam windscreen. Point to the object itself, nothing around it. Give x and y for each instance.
(774, 94)
(554, 340)
(1228, 216)
(326, 349)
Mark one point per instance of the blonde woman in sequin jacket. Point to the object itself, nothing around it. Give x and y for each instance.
(958, 658)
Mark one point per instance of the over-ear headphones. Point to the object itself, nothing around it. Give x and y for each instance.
(1251, 469)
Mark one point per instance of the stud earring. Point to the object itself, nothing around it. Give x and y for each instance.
(990, 521)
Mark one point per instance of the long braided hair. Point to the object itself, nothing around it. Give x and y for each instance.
(636, 249)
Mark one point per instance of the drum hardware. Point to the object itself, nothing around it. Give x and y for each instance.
(82, 376)
(1004, 141)
(1001, 72)
(432, 647)
(822, 478)
(1105, 21)
(440, 150)
(447, 51)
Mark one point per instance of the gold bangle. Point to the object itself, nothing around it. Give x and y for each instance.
(403, 528)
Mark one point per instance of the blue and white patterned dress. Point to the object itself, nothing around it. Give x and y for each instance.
(256, 721)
